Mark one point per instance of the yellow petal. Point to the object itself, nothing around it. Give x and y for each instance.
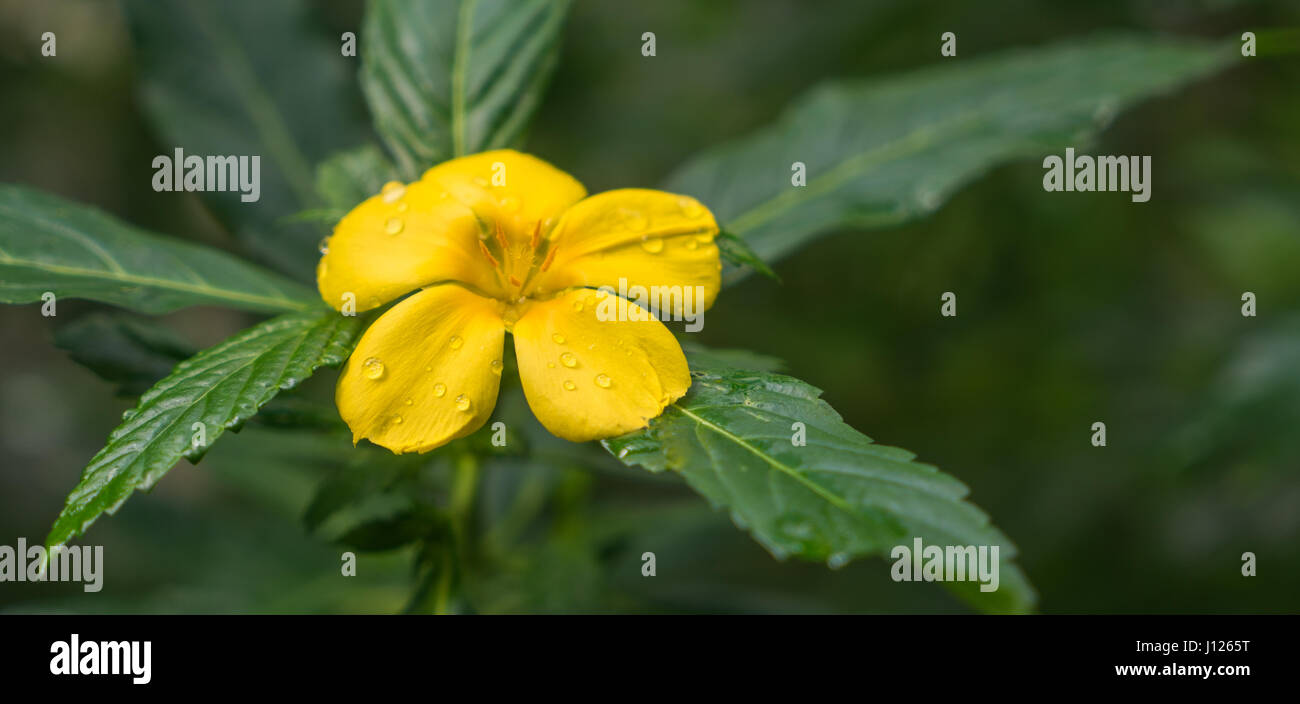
(397, 241)
(518, 190)
(426, 372)
(643, 237)
(430, 231)
(587, 378)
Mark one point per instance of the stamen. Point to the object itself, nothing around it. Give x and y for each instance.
(546, 264)
(537, 235)
(501, 238)
(483, 248)
(514, 281)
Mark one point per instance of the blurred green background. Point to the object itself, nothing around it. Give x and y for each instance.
(1072, 309)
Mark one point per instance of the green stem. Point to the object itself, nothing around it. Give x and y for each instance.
(464, 486)
(463, 490)
(528, 502)
(442, 595)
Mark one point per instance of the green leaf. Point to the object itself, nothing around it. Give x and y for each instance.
(883, 151)
(838, 497)
(446, 78)
(347, 178)
(1250, 408)
(737, 253)
(128, 351)
(709, 357)
(48, 244)
(220, 388)
(365, 475)
(320, 216)
(248, 77)
(301, 414)
(383, 534)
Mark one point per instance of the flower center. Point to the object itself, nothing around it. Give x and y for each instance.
(516, 265)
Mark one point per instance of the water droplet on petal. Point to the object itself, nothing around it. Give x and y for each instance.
(409, 402)
(463, 403)
(603, 381)
(510, 204)
(456, 343)
(635, 221)
(691, 208)
(569, 386)
(577, 306)
(692, 244)
(568, 360)
(397, 420)
(439, 390)
(373, 368)
(550, 365)
(558, 338)
(392, 191)
(653, 245)
(393, 226)
(496, 366)
(324, 245)
(403, 207)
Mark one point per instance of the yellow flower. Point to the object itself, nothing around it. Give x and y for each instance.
(503, 242)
